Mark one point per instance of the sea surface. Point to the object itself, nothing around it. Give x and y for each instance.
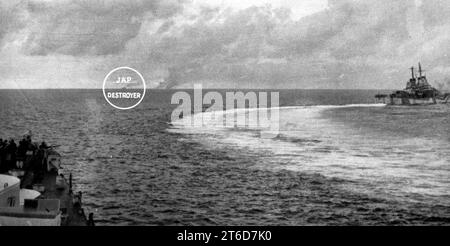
(338, 159)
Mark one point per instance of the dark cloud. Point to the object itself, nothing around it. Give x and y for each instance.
(351, 44)
(11, 19)
(365, 44)
(94, 27)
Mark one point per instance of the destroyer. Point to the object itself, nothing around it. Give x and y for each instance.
(417, 92)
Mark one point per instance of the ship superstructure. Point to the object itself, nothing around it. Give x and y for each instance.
(33, 192)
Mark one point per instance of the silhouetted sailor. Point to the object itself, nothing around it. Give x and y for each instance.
(21, 151)
(11, 151)
(2, 156)
(43, 145)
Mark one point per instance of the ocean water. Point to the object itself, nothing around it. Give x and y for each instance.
(339, 159)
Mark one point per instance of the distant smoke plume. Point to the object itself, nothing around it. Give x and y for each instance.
(445, 85)
(353, 44)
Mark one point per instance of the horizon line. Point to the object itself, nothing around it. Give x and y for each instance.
(212, 88)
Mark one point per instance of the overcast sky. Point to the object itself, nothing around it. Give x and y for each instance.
(228, 44)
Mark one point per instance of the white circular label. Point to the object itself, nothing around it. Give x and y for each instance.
(124, 88)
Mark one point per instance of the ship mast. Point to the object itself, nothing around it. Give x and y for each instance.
(420, 71)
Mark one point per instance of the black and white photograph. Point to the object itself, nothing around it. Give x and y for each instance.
(201, 113)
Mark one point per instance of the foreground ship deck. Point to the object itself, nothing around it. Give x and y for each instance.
(37, 195)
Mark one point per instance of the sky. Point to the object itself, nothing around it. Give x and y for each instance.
(304, 44)
(299, 8)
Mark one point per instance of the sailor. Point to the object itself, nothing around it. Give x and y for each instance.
(21, 151)
(3, 146)
(2, 150)
(29, 153)
(11, 150)
(43, 145)
(41, 155)
(28, 139)
(91, 220)
(1, 155)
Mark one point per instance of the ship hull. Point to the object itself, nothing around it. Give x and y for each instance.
(410, 101)
(19, 219)
(413, 101)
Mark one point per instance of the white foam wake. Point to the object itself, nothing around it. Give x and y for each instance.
(311, 142)
(219, 116)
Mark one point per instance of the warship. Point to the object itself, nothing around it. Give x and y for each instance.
(33, 192)
(417, 92)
